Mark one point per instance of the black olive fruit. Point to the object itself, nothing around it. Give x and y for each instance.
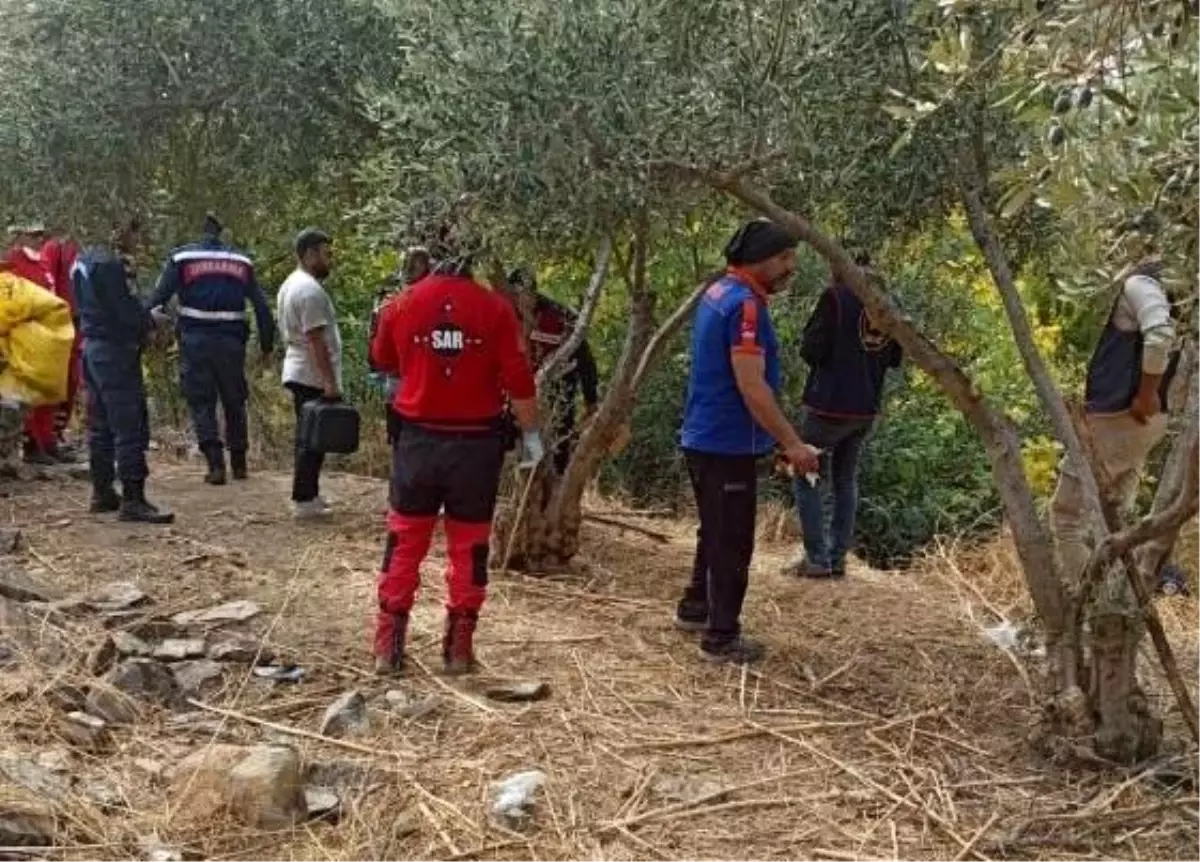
(1084, 98)
(1057, 136)
(1063, 103)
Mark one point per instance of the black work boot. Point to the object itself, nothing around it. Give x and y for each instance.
(237, 462)
(216, 465)
(104, 499)
(736, 650)
(135, 507)
(391, 631)
(458, 651)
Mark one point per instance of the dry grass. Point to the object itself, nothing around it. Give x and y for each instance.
(883, 725)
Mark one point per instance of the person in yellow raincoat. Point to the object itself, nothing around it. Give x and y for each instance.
(36, 334)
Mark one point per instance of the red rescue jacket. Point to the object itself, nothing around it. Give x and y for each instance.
(458, 350)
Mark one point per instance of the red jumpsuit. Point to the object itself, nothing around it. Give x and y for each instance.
(39, 422)
(59, 256)
(458, 349)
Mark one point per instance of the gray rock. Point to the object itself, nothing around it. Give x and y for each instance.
(131, 645)
(86, 732)
(687, 788)
(346, 716)
(56, 760)
(200, 786)
(20, 586)
(116, 597)
(176, 649)
(321, 803)
(26, 823)
(33, 777)
(519, 692)
(67, 697)
(405, 705)
(153, 849)
(29, 632)
(241, 649)
(10, 540)
(191, 676)
(145, 680)
(102, 657)
(113, 706)
(237, 612)
(344, 776)
(266, 789)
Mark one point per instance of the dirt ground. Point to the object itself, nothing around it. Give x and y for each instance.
(884, 724)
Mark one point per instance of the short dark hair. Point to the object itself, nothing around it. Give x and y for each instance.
(311, 238)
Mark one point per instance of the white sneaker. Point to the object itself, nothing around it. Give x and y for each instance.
(325, 504)
(309, 510)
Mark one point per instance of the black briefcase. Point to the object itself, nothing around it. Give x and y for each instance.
(329, 427)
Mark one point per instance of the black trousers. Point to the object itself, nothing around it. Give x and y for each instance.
(726, 488)
(306, 477)
(434, 471)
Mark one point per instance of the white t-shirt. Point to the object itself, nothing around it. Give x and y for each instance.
(304, 306)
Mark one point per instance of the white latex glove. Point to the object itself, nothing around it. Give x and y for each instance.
(532, 450)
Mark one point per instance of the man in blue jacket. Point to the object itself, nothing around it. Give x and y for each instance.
(732, 418)
(115, 327)
(213, 283)
(848, 360)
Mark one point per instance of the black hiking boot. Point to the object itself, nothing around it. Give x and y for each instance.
(691, 616)
(739, 650)
(216, 465)
(104, 499)
(136, 508)
(237, 463)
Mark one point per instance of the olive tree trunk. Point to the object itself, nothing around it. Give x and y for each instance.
(539, 530)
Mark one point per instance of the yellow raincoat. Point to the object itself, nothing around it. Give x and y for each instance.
(36, 334)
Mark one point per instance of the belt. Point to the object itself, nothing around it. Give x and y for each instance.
(197, 314)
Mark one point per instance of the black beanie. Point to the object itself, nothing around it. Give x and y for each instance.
(212, 224)
(756, 241)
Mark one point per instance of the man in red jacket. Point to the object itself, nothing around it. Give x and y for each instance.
(457, 348)
(59, 255)
(24, 259)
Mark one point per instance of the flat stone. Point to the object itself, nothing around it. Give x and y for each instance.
(10, 540)
(519, 692)
(102, 657)
(178, 649)
(321, 803)
(153, 849)
(267, 791)
(116, 597)
(237, 612)
(25, 822)
(33, 777)
(86, 731)
(145, 680)
(131, 645)
(113, 706)
(191, 676)
(346, 716)
(56, 760)
(67, 697)
(405, 705)
(241, 649)
(687, 788)
(20, 586)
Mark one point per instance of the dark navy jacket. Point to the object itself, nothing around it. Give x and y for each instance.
(213, 283)
(847, 356)
(107, 306)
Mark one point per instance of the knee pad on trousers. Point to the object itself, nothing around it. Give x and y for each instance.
(467, 575)
(407, 543)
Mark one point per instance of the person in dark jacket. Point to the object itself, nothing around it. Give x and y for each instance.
(848, 359)
(417, 265)
(115, 328)
(213, 283)
(553, 324)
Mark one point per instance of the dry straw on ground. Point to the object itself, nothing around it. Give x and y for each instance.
(883, 725)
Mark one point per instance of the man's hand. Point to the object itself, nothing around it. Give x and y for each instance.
(803, 458)
(331, 392)
(1145, 405)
